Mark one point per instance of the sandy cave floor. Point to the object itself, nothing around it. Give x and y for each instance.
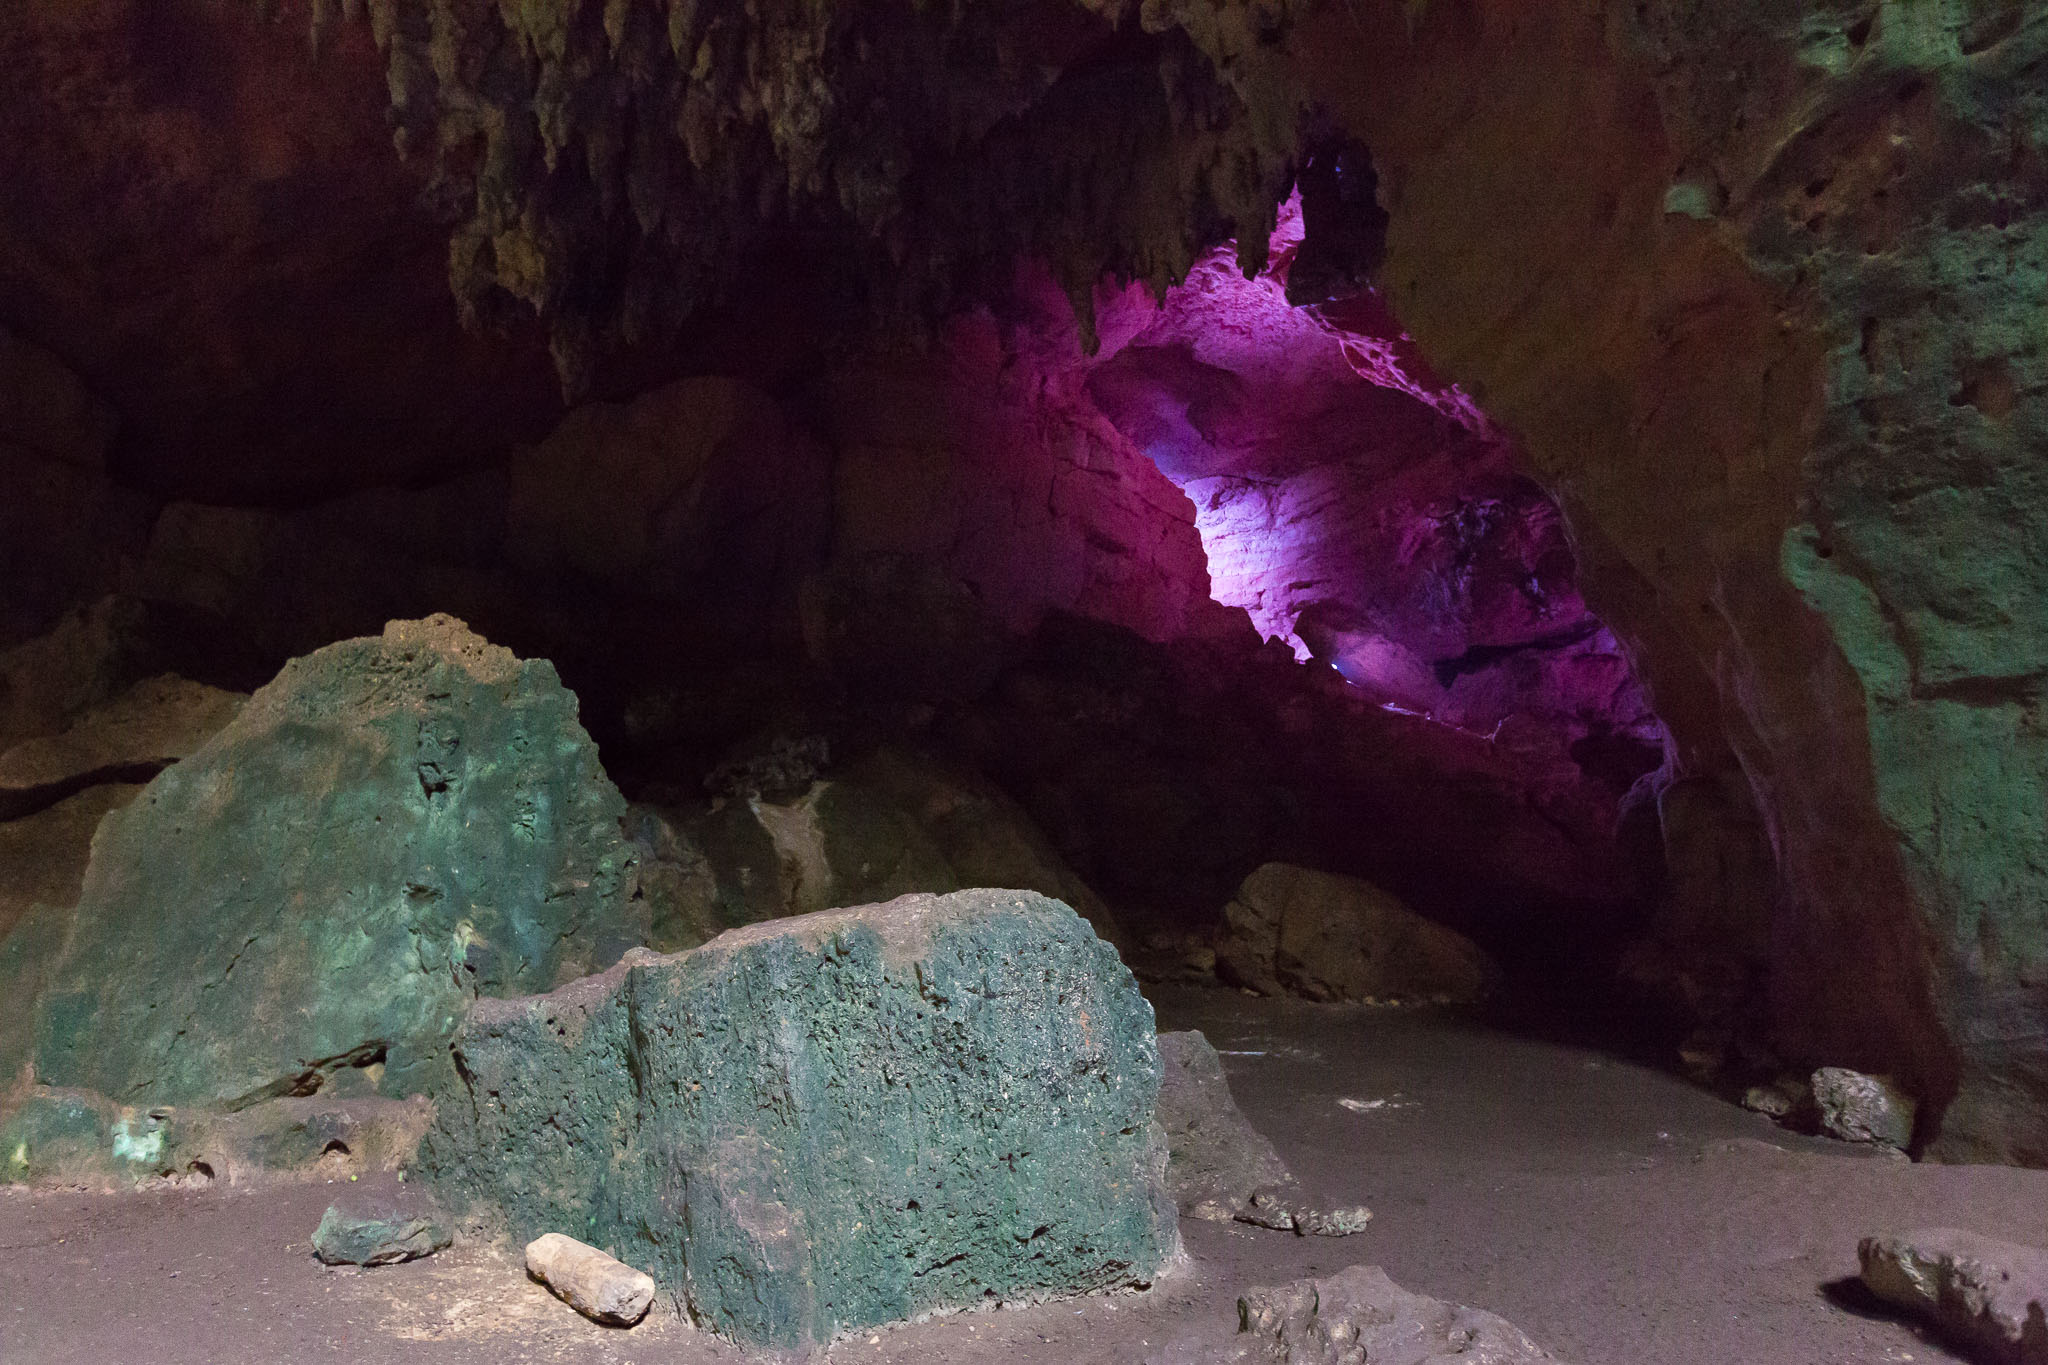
(1616, 1214)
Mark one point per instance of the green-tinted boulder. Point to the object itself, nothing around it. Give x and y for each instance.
(392, 827)
(377, 1232)
(838, 1119)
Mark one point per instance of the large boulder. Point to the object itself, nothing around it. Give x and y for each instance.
(1296, 931)
(829, 1121)
(392, 827)
(700, 491)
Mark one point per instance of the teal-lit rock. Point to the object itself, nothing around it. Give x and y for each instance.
(830, 1121)
(55, 1132)
(379, 1234)
(392, 827)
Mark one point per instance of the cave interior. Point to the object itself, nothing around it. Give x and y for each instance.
(1496, 554)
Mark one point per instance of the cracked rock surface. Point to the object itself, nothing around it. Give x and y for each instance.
(840, 1119)
(392, 827)
(1358, 1317)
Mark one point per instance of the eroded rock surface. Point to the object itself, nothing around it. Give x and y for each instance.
(1219, 1167)
(43, 856)
(596, 1285)
(383, 1231)
(80, 1139)
(892, 824)
(1859, 1108)
(393, 826)
(844, 1118)
(1357, 1317)
(127, 739)
(1982, 1293)
(1296, 931)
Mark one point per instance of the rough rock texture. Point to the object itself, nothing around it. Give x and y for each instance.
(844, 1118)
(75, 1138)
(43, 856)
(1011, 475)
(892, 824)
(1366, 512)
(1218, 1166)
(378, 1232)
(1765, 325)
(594, 1284)
(1296, 931)
(86, 657)
(1357, 1317)
(128, 739)
(1769, 321)
(624, 161)
(393, 826)
(1860, 1108)
(1986, 1295)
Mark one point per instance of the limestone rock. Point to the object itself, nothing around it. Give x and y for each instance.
(1984, 1294)
(1218, 1166)
(43, 856)
(1354, 1317)
(831, 1121)
(127, 739)
(986, 838)
(748, 859)
(674, 880)
(379, 1231)
(84, 659)
(699, 491)
(1295, 931)
(393, 826)
(892, 825)
(598, 1286)
(1859, 1108)
(1784, 1099)
(62, 520)
(74, 1138)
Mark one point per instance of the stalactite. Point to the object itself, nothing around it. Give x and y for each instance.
(608, 165)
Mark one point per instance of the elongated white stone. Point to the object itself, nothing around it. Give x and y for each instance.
(596, 1285)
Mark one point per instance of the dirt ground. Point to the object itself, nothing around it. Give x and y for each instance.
(1613, 1212)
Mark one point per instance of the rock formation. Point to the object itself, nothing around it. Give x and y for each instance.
(393, 826)
(892, 824)
(1357, 1315)
(825, 1122)
(128, 739)
(1296, 931)
(1986, 1295)
(1764, 336)
(1733, 309)
(1220, 1168)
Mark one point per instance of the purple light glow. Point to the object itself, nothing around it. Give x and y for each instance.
(1356, 506)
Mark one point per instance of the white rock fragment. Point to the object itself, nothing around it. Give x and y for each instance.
(1859, 1108)
(594, 1284)
(1984, 1294)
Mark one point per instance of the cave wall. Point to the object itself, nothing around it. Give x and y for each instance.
(1762, 293)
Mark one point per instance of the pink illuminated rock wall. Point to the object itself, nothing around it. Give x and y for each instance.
(1299, 463)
